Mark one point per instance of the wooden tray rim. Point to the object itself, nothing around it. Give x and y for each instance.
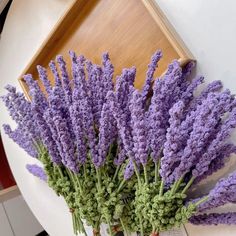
(154, 10)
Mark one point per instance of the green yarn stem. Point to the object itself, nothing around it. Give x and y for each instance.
(116, 173)
(109, 228)
(99, 179)
(161, 188)
(188, 184)
(145, 174)
(141, 226)
(74, 224)
(77, 179)
(82, 225)
(85, 173)
(176, 185)
(137, 173)
(157, 167)
(121, 185)
(124, 228)
(204, 199)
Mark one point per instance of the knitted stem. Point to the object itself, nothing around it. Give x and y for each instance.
(145, 174)
(99, 178)
(188, 184)
(121, 185)
(176, 185)
(116, 173)
(204, 199)
(123, 226)
(157, 167)
(161, 188)
(136, 172)
(141, 226)
(85, 173)
(74, 224)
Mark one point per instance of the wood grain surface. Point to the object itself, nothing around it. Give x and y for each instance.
(131, 31)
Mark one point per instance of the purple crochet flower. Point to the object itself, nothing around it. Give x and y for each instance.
(65, 79)
(213, 87)
(20, 110)
(139, 128)
(129, 170)
(35, 92)
(215, 147)
(44, 78)
(37, 171)
(63, 132)
(165, 93)
(121, 156)
(228, 218)
(150, 73)
(204, 130)
(219, 161)
(23, 141)
(223, 192)
(187, 95)
(108, 71)
(124, 128)
(173, 140)
(107, 132)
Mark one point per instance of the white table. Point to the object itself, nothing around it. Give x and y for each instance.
(28, 24)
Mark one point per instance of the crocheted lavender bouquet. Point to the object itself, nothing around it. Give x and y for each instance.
(127, 157)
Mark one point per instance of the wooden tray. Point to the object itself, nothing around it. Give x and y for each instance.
(130, 30)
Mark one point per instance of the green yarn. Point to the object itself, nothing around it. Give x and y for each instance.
(102, 196)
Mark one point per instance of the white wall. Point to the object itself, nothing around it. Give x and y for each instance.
(208, 28)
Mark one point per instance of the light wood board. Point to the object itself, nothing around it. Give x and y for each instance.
(131, 31)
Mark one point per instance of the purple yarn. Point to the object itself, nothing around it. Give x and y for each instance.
(223, 192)
(215, 147)
(150, 73)
(207, 118)
(173, 140)
(228, 218)
(37, 171)
(121, 156)
(139, 128)
(23, 141)
(219, 161)
(165, 93)
(65, 79)
(44, 78)
(129, 170)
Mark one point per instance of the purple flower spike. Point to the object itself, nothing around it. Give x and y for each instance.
(65, 79)
(107, 132)
(165, 94)
(150, 73)
(44, 78)
(173, 140)
(204, 130)
(108, 71)
(57, 79)
(37, 171)
(213, 87)
(214, 219)
(139, 128)
(121, 153)
(187, 95)
(22, 140)
(220, 160)
(37, 95)
(124, 129)
(129, 170)
(223, 192)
